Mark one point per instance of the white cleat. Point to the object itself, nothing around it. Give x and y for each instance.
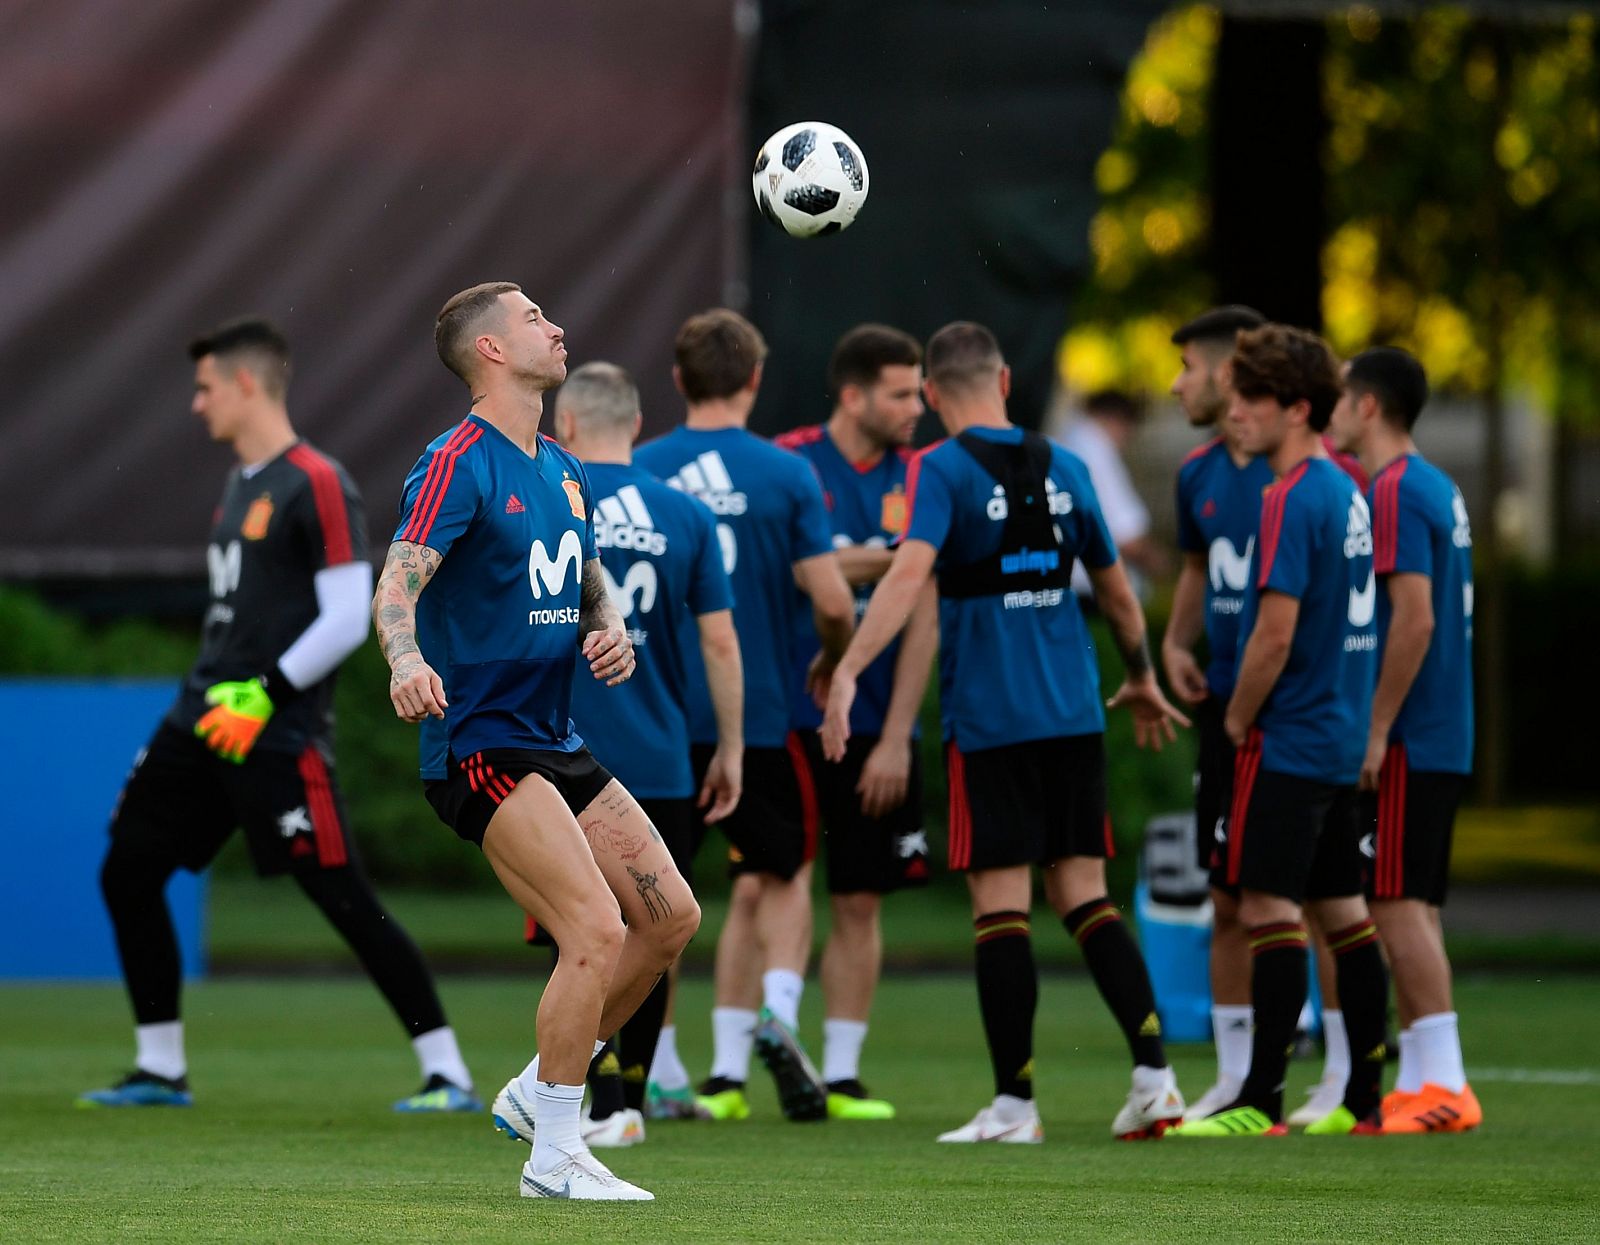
(620, 1128)
(1154, 1105)
(1222, 1094)
(513, 1113)
(1321, 1098)
(991, 1125)
(582, 1178)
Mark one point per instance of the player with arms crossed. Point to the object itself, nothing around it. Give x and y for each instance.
(249, 740)
(663, 565)
(490, 585)
(871, 804)
(1419, 744)
(1297, 719)
(998, 515)
(773, 527)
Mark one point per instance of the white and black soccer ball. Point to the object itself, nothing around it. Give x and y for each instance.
(810, 179)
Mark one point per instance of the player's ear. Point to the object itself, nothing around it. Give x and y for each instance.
(677, 379)
(930, 393)
(1005, 380)
(488, 347)
(754, 383)
(245, 381)
(638, 426)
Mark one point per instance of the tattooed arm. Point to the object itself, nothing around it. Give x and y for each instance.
(413, 686)
(605, 641)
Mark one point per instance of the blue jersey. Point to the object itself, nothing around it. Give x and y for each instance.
(663, 568)
(1316, 546)
(1017, 665)
(499, 620)
(770, 514)
(1219, 513)
(866, 506)
(1419, 527)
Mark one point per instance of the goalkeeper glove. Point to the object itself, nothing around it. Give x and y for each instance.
(242, 710)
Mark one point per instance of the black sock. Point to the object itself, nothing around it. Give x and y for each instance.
(636, 1044)
(134, 890)
(1364, 996)
(1118, 969)
(1008, 996)
(380, 943)
(1278, 972)
(605, 1083)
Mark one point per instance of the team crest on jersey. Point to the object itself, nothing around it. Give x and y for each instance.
(574, 492)
(892, 517)
(257, 518)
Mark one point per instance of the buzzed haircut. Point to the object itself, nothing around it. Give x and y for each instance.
(1290, 365)
(1219, 326)
(861, 355)
(716, 353)
(1395, 378)
(459, 319)
(1114, 404)
(963, 355)
(602, 397)
(254, 343)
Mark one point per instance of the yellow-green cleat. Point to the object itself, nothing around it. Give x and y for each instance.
(1342, 1122)
(722, 1099)
(1236, 1122)
(849, 1100)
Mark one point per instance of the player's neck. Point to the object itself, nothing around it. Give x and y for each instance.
(1230, 443)
(598, 450)
(515, 414)
(1295, 448)
(852, 442)
(1381, 447)
(959, 419)
(267, 436)
(719, 413)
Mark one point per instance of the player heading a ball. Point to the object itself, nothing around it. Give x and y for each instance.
(810, 179)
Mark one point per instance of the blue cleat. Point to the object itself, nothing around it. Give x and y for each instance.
(140, 1089)
(437, 1096)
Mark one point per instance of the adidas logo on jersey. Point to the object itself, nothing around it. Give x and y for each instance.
(514, 505)
(623, 522)
(707, 478)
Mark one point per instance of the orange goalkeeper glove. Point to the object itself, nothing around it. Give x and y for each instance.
(241, 714)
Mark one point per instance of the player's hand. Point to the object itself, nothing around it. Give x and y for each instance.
(416, 691)
(1372, 763)
(819, 678)
(1235, 727)
(1184, 675)
(610, 655)
(835, 729)
(1153, 714)
(241, 712)
(724, 784)
(885, 776)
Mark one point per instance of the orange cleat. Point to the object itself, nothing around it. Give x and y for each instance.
(1436, 1110)
(1396, 1100)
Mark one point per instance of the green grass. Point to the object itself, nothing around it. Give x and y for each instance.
(291, 1136)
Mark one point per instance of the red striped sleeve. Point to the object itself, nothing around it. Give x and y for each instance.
(1200, 451)
(1272, 520)
(1386, 518)
(913, 474)
(796, 437)
(332, 514)
(436, 482)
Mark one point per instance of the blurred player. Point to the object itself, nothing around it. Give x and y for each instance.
(663, 566)
(998, 515)
(1219, 511)
(491, 583)
(1297, 719)
(773, 528)
(871, 804)
(250, 739)
(1419, 745)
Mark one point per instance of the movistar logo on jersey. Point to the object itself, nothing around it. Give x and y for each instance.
(1030, 561)
(624, 522)
(1358, 528)
(1230, 569)
(637, 591)
(1461, 534)
(549, 575)
(707, 478)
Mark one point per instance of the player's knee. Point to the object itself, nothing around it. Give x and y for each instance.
(595, 940)
(856, 912)
(127, 879)
(679, 928)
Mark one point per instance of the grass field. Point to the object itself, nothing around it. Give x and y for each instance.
(292, 1138)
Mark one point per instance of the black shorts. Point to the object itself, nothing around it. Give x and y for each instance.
(774, 828)
(876, 854)
(1028, 804)
(466, 799)
(182, 802)
(1213, 779)
(1411, 820)
(1288, 836)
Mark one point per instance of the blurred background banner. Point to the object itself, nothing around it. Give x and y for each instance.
(343, 167)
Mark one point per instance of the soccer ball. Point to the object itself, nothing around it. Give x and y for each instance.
(810, 179)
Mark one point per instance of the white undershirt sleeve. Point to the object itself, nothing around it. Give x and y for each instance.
(344, 615)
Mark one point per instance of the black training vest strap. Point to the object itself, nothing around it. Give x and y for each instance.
(1030, 556)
